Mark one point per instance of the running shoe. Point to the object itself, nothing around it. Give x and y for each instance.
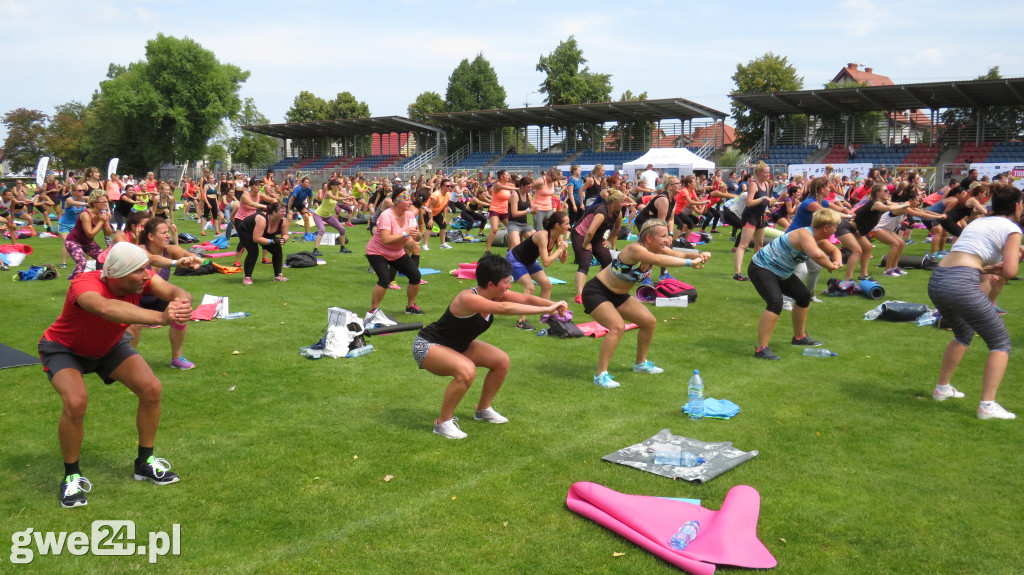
(995, 412)
(740, 278)
(892, 273)
(732, 251)
(73, 490)
(181, 363)
(63, 266)
(766, 353)
(317, 252)
(647, 367)
(414, 310)
(578, 299)
(489, 415)
(899, 270)
(265, 261)
(950, 393)
(604, 379)
(425, 248)
(280, 278)
(666, 276)
(157, 470)
(806, 340)
(394, 285)
(450, 429)
(524, 325)
(815, 299)
(247, 281)
(866, 278)
(238, 263)
(344, 250)
(446, 246)
(1000, 310)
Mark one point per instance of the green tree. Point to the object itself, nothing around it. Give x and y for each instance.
(345, 106)
(307, 107)
(769, 73)
(426, 103)
(568, 81)
(164, 108)
(472, 86)
(64, 135)
(26, 132)
(249, 147)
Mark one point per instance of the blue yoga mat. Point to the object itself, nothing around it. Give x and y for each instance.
(425, 272)
(554, 281)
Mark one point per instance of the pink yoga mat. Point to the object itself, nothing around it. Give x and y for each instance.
(727, 536)
(596, 330)
(221, 255)
(471, 266)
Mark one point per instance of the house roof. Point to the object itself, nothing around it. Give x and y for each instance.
(853, 73)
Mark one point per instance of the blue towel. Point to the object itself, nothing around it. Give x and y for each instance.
(718, 408)
(220, 241)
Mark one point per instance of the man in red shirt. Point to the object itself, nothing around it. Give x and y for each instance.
(89, 337)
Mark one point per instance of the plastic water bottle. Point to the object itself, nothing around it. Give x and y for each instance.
(690, 459)
(542, 332)
(695, 396)
(688, 532)
(237, 315)
(818, 352)
(360, 351)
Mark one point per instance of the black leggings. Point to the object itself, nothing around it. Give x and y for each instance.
(733, 220)
(712, 215)
(687, 221)
(404, 264)
(252, 251)
(470, 217)
(598, 250)
(771, 288)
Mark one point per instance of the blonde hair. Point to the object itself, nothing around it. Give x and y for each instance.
(615, 196)
(648, 228)
(825, 217)
(761, 166)
(95, 197)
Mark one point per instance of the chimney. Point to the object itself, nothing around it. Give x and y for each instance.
(867, 70)
(852, 66)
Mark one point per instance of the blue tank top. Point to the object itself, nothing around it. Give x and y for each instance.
(780, 257)
(803, 216)
(70, 215)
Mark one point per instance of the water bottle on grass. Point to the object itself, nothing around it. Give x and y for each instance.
(818, 352)
(695, 396)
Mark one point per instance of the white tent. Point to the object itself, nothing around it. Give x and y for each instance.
(672, 161)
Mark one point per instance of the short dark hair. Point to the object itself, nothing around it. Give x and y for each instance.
(1004, 199)
(491, 269)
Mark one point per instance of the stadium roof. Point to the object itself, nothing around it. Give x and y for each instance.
(341, 128)
(933, 96)
(563, 115)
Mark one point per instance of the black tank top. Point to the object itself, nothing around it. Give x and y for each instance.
(456, 332)
(526, 252)
(759, 209)
(651, 211)
(865, 218)
(520, 205)
(592, 192)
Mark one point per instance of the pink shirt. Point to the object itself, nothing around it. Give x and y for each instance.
(542, 197)
(389, 221)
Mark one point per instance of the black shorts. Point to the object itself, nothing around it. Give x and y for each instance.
(596, 293)
(845, 227)
(299, 206)
(439, 220)
(57, 357)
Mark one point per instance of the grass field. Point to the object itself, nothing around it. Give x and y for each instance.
(283, 460)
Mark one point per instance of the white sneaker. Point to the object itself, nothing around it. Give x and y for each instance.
(995, 412)
(425, 247)
(815, 299)
(950, 393)
(446, 246)
(787, 303)
(450, 429)
(489, 415)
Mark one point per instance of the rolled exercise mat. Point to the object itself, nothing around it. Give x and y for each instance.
(871, 290)
(906, 261)
(386, 329)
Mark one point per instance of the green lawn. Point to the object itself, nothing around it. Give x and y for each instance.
(283, 460)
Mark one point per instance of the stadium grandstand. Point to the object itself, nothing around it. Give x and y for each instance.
(872, 121)
(611, 133)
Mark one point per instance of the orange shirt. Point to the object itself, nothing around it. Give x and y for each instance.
(499, 201)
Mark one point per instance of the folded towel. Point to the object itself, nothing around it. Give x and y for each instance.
(717, 408)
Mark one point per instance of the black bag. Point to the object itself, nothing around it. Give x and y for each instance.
(202, 270)
(187, 238)
(300, 260)
(902, 311)
(562, 329)
(453, 235)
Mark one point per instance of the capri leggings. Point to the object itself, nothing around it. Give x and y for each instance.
(964, 308)
(404, 265)
(683, 220)
(78, 253)
(583, 257)
(331, 221)
(771, 288)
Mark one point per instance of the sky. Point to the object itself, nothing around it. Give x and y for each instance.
(388, 52)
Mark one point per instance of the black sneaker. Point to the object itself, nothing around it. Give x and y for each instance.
(155, 469)
(523, 324)
(766, 353)
(740, 278)
(345, 250)
(806, 340)
(867, 278)
(317, 252)
(414, 310)
(73, 490)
